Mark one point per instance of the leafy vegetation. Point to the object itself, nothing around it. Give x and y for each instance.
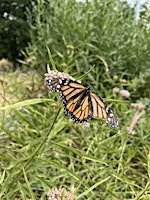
(40, 148)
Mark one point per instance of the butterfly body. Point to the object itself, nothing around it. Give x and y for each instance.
(76, 101)
(79, 102)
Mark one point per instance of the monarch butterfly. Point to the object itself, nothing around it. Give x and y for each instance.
(78, 101)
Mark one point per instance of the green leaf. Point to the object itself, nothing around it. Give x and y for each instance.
(25, 103)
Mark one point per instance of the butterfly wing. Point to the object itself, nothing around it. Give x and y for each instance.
(75, 99)
(101, 110)
(78, 101)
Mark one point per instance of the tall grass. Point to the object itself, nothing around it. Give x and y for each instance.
(40, 147)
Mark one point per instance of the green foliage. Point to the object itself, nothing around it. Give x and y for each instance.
(40, 147)
(97, 33)
(78, 32)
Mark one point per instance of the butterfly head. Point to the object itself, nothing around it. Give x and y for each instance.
(54, 80)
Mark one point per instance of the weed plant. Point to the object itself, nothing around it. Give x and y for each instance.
(40, 147)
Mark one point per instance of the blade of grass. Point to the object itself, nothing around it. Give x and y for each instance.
(25, 103)
(79, 153)
(93, 187)
(139, 195)
(126, 181)
(13, 136)
(21, 190)
(57, 164)
(51, 59)
(28, 185)
(84, 75)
